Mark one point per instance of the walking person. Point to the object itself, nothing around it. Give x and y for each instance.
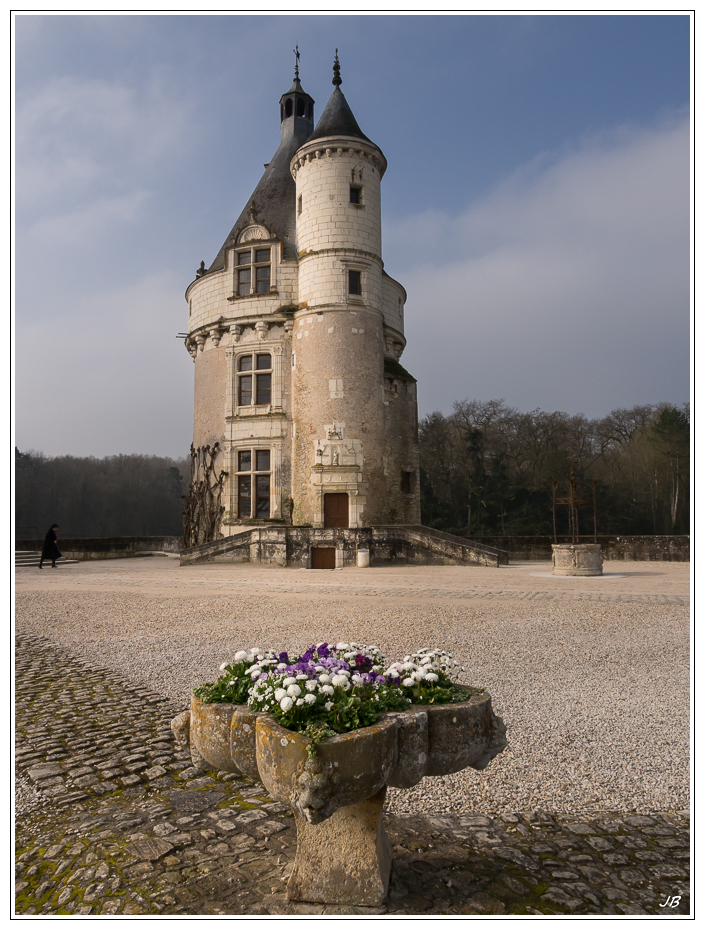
(50, 550)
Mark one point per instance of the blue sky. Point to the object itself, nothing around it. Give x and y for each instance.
(536, 204)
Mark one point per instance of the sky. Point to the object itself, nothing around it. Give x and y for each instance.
(535, 206)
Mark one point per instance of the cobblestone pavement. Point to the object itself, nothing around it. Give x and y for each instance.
(114, 819)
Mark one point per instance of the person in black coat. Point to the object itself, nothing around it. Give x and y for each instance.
(50, 550)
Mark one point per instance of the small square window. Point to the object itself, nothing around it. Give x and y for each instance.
(356, 195)
(354, 282)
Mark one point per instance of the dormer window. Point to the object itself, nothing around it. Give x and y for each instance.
(253, 271)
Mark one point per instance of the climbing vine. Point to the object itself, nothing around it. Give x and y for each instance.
(203, 510)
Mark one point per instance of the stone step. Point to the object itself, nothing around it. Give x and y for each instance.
(31, 560)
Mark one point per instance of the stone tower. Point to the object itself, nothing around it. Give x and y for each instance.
(302, 412)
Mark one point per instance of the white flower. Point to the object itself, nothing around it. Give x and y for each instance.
(301, 677)
(324, 679)
(392, 672)
(419, 675)
(293, 691)
(431, 676)
(289, 681)
(299, 702)
(327, 689)
(357, 679)
(286, 704)
(339, 680)
(254, 651)
(281, 666)
(279, 694)
(224, 666)
(409, 682)
(311, 686)
(309, 698)
(329, 705)
(342, 646)
(241, 656)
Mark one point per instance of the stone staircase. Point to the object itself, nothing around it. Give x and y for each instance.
(400, 544)
(28, 558)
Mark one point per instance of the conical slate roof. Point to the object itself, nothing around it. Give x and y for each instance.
(337, 120)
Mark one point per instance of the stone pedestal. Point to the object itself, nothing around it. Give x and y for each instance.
(577, 559)
(336, 789)
(346, 859)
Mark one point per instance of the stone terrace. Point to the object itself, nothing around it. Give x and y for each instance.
(113, 819)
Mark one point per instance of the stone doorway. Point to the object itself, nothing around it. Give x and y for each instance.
(336, 511)
(322, 558)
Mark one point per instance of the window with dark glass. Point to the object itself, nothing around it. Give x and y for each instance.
(259, 261)
(254, 379)
(355, 195)
(253, 484)
(244, 483)
(354, 282)
(262, 495)
(407, 482)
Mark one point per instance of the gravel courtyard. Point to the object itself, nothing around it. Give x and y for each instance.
(591, 675)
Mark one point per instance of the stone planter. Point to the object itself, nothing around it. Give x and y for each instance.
(343, 855)
(574, 559)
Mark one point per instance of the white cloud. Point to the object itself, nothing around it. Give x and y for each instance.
(567, 287)
(77, 137)
(81, 225)
(109, 376)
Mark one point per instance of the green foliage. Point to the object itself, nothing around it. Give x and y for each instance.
(486, 469)
(120, 495)
(233, 686)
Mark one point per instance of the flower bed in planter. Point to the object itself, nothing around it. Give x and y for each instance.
(326, 732)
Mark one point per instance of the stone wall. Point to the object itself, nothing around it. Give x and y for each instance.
(614, 548)
(108, 547)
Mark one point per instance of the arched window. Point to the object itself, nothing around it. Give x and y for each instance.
(289, 107)
(300, 107)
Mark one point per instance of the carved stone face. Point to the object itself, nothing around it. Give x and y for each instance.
(313, 794)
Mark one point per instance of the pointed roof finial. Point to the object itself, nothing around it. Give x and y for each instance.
(296, 69)
(337, 80)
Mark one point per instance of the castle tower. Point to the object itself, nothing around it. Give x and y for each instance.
(296, 331)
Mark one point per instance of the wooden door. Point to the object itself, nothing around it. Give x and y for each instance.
(335, 511)
(322, 558)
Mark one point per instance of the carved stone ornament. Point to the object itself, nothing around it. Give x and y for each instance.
(251, 233)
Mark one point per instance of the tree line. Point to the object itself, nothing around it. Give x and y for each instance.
(490, 470)
(486, 470)
(120, 495)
